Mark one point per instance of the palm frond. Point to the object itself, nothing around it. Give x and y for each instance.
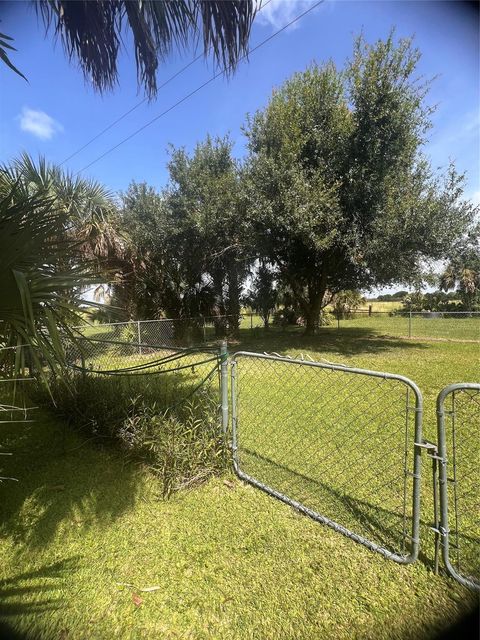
(42, 271)
(91, 32)
(5, 44)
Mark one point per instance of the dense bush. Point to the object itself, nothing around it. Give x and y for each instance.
(182, 444)
(285, 316)
(435, 301)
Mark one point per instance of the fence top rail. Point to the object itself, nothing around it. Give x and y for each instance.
(150, 346)
(116, 324)
(458, 386)
(333, 367)
(113, 324)
(446, 313)
(404, 312)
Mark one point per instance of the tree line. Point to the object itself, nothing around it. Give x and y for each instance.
(335, 194)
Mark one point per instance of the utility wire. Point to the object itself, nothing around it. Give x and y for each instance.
(200, 87)
(124, 115)
(139, 104)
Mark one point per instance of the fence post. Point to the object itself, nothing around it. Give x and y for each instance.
(84, 370)
(139, 339)
(224, 384)
(204, 331)
(409, 324)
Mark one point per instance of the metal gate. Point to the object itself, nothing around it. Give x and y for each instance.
(458, 422)
(339, 444)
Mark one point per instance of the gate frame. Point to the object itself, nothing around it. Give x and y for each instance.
(443, 480)
(418, 444)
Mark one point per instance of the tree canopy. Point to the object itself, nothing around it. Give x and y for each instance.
(462, 271)
(187, 241)
(342, 196)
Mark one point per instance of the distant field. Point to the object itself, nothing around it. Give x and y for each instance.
(391, 305)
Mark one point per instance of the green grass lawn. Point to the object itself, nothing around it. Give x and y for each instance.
(84, 530)
(419, 326)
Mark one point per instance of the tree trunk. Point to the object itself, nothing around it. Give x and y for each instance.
(233, 299)
(313, 308)
(219, 322)
(312, 317)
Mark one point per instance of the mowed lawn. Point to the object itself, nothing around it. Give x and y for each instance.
(89, 549)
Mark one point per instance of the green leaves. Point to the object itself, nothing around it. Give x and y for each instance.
(188, 242)
(341, 196)
(92, 32)
(42, 271)
(4, 44)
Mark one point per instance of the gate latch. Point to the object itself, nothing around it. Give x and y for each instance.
(430, 448)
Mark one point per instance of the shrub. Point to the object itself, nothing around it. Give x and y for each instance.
(181, 442)
(285, 316)
(180, 451)
(128, 333)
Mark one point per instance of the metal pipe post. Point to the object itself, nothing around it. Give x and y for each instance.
(139, 340)
(224, 384)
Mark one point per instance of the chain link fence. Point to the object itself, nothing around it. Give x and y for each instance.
(458, 419)
(452, 325)
(166, 376)
(339, 444)
(169, 332)
(163, 404)
(334, 442)
(15, 406)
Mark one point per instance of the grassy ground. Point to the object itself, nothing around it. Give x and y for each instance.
(83, 532)
(419, 326)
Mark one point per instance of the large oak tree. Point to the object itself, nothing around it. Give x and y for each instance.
(342, 196)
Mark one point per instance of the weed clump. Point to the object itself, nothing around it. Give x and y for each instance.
(175, 431)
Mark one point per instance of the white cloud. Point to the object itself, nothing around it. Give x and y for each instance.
(39, 123)
(277, 13)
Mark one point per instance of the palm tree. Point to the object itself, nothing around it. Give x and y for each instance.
(89, 206)
(467, 281)
(462, 271)
(91, 32)
(51, 228)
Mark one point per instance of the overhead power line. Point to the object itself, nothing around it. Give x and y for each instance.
(124, 115)
(199, 88)
(139, 104)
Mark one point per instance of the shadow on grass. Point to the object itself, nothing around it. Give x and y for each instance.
(347, 341)
(38, 585)
(376, 523)
(63, 483)
(60, 482)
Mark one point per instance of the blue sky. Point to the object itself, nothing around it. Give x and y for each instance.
(56, 112)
